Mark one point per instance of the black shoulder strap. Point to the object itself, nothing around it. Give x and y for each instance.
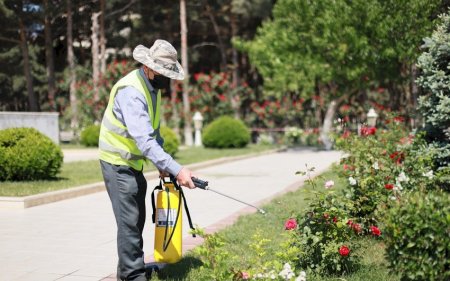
(158, 187)
(185, 203)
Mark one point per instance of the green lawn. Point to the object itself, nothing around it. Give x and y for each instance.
(271, 226)
(84, 172)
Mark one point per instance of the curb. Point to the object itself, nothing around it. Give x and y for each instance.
(58, 195)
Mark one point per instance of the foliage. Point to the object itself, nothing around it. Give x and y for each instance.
(27, 154)
(226, 132)
(171, 141)
(322, 233)
(214, 257)
(293, 135)
(342, 50)
(380, 165)
(89, 136)
(434, 80)
(418, 244)
(92, 104)
(214, 94)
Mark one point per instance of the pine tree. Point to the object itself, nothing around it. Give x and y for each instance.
(434, 104)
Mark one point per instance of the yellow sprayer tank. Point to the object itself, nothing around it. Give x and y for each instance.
(168, 225)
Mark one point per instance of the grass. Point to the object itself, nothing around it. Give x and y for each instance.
(84, 172)
(271, 226)
(72, 174)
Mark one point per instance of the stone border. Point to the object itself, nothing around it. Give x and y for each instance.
(58, 195)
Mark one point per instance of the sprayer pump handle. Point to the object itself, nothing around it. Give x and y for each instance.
(200, 183)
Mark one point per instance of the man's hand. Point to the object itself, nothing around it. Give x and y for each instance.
(184, 178)
(163, 174)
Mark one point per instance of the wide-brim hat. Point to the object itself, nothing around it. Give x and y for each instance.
(161, 57)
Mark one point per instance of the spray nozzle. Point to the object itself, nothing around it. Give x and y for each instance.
(200, 183)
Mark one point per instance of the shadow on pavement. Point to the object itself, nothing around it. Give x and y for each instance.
(179, 270)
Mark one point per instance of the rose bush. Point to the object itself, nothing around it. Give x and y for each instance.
(381, 164)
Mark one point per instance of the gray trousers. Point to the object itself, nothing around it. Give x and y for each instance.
(127, 188)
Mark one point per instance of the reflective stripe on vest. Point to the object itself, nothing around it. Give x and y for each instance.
(115, 143)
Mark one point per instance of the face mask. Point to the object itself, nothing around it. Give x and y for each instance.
(160, 82)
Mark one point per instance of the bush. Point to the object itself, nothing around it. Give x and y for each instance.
(89, 136)
(27, 154)
(380, 165)
(171, 141)
(435, 83)
(226, 132)
(418, 237)
(324, 235)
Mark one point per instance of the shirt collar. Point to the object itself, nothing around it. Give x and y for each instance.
(147, 82)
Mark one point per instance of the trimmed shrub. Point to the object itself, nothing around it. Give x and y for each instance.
(89, 136)
(226, 132)
(418, 232)
(171, 141)
(27, 154)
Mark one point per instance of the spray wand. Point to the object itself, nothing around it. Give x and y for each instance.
(204, 185)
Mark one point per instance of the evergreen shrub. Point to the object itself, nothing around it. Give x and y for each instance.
(89, 136)
(418, 231)
(226, 132)
(27, 154)
(434, 81)
(171, 141)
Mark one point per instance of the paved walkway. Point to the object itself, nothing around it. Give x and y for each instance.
(80, 154)
(75, 239)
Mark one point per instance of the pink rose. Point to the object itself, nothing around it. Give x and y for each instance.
(329, 184)
(245, 275)
(290, 224)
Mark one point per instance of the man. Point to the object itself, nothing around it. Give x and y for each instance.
(129, 135)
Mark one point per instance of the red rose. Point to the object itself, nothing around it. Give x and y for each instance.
(367, 131)
(290, 224)
(350, 223)
(335, 219)
(375, 230)
(344, 251)
(389, 186)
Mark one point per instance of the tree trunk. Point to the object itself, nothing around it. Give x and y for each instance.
(50, 58)
(327, 124)
(173, 102)
(72, 75)
(95, 54)
(235, 81)
(223, 54)
(102, 37)
(188, 139)
(414, 94)
(32, 98)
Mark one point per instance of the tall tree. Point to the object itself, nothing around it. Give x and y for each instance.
(188, 138)
(49, 55)
(72, 74)
(332, 46)
(32, 98)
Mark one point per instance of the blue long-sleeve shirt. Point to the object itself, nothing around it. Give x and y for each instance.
(131, 109)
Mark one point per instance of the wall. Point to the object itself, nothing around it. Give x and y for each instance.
(45, 122)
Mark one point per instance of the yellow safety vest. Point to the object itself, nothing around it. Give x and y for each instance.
(115, 143)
